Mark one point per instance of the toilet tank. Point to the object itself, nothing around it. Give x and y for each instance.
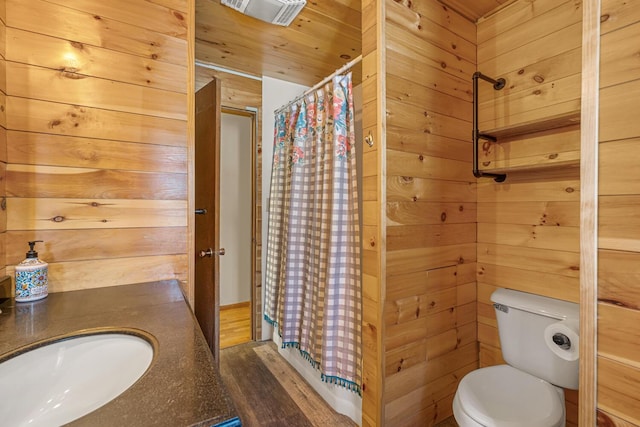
(532, 332)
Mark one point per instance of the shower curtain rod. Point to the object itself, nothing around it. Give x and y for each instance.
(324, 81)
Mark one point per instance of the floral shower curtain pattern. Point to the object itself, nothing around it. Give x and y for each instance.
(313, 293)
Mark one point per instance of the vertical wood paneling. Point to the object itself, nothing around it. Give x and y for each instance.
(3, 142)
(373, 255)
(430, 339)
(589, 187)
(97, 142)
(618, 358)
(189, 286)
(528, 226)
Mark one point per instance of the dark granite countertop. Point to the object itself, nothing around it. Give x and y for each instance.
(181, 388)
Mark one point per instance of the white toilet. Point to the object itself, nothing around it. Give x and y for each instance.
(539, 340)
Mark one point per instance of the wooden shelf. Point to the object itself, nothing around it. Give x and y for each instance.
(534, 146)
(524, 167)
(552, 122)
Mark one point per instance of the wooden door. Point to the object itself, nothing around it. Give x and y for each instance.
(207, 234)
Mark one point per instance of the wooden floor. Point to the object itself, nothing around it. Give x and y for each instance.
(235, 324)
(267, 391)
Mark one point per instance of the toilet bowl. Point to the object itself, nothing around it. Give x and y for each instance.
(503, 396)
(539, 341)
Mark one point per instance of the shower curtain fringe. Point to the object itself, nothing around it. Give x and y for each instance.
(324, 81)
(349, 385)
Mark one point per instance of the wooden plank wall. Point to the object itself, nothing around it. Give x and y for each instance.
(3, 138)
(429, 310)
(528, 226)
(240, 92)
(618, 378)
(373, 220)
(97, 139)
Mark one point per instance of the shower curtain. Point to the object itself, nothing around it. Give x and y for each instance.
(313, 293)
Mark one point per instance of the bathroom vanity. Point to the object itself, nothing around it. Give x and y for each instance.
(181, 387)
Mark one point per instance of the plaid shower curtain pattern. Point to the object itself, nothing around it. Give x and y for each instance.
(313, 291)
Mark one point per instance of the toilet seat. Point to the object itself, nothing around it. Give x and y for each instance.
(503, 396)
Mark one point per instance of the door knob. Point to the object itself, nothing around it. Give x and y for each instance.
(210, 252)
(201, 211)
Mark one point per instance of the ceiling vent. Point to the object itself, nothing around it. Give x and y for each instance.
(279, 12)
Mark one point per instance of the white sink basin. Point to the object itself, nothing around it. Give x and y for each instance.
(62, 381)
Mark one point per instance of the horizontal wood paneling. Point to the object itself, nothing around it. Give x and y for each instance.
(617, 14)
(28, 81)
(43, 17)
(531, 236)
(535, 26)
(618, 338)
(618, 389)
(606, 419)
(409, 260)
(97, 139)
(181, 5)
(158, 19)
(29, 148)
(86, 60)
(527, 280)
(418, 166)
(555, 147)
(512, 16)
(412, 45)
(431, 77)
(422, 374)
(418, 141)
(528, 226)
(49, 181)
(622, 64)
(540, 59)
(414, 92)
(457, 24)
(59, 213)
(405, 188)
(616, 275)
(427, 26)
(554, 214)
(618, 219)
(76, 275)
(409, 237)
(618, 375)
(74, 120)
(616, 109)
(72, 244)
(413, 213)
(429, 309)
(531, 190)
(474, 10)
(563, 263)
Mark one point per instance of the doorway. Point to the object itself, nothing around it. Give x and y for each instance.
(237, 217)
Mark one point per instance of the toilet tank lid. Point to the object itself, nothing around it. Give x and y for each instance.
(537, 304)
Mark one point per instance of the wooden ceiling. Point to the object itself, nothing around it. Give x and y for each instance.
(322, 38)
(474, 9)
